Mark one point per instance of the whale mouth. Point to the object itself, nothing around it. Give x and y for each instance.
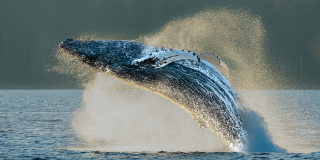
(74, 49)
(65, 46)
(64, 43)
(84, 51)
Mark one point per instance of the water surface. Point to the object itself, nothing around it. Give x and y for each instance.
(38, 124)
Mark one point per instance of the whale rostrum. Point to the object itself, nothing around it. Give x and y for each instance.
(179, 76)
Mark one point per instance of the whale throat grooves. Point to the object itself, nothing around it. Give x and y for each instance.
(179, 76)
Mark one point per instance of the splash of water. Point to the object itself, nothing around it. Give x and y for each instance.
(137, 120)
(237, 36)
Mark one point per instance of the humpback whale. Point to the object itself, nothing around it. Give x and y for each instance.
(179, 76)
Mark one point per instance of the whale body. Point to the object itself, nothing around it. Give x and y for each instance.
(179, 76)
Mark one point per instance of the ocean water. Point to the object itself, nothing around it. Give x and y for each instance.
(45, 124)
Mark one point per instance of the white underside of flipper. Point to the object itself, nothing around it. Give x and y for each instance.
(163, 58)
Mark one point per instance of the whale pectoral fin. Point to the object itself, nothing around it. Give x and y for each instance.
(211, 58)
(163, 58)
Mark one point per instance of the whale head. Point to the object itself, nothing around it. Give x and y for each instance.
(126, 60)
(109, 56)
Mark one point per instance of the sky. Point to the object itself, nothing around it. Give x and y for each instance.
(30, 32)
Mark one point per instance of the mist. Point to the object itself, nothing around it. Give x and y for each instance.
(113, 110)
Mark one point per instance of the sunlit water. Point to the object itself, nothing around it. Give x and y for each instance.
(39, 124)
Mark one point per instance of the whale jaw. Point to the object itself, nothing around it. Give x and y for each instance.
(84, 52)
(68, 47)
